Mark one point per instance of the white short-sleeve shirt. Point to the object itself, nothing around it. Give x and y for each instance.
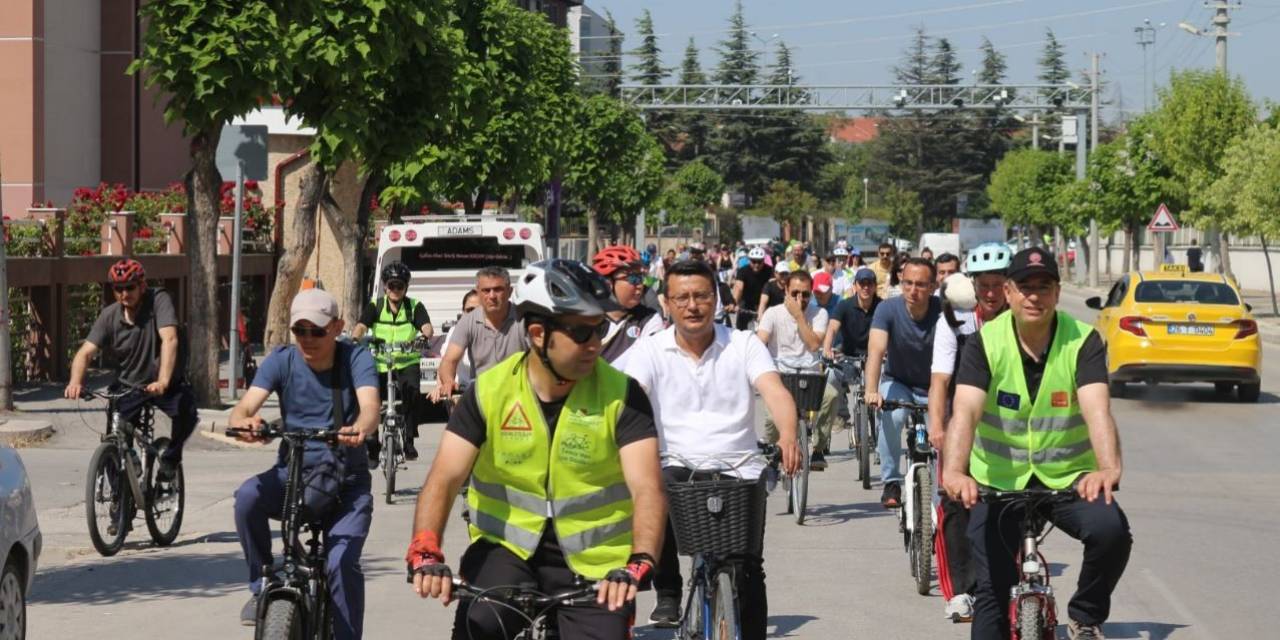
(945, 342)
(785, 344)
(703, 407)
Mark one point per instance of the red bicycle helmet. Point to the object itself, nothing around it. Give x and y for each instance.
(126, 271)
(610, 259)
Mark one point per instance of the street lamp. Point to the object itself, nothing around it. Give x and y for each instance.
(864, 193)
(1191, 29)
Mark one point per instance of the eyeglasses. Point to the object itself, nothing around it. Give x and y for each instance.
(312, 331)
(701, 298)
(395, 285)
(583, 333)
(124, 288)
(803, 295)
(633, 279)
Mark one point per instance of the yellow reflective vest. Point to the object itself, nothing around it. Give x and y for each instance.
(1018, 436)
(395, 327)
(522, 478)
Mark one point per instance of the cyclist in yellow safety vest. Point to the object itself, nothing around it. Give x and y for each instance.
(562, 453)
(1032, 409)
(395, 317)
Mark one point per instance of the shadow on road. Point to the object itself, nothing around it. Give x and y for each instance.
(825, 515)
(1168, 397)
(784, 625)
(1145, 630)
(154, 573)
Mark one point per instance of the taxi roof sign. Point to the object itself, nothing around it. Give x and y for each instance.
(1173, 267)
(1162, 220)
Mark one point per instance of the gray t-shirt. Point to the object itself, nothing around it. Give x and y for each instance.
(910, 350)
(134, 349)
(488, 346)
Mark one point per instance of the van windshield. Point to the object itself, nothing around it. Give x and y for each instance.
(470, 254)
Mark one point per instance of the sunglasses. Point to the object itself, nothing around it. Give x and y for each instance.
(803, 295)
(582, 333)
(124, 288)
(633, 279)
(395, 285)
(312, 331)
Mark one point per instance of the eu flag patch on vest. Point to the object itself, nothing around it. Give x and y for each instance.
(1008, 400)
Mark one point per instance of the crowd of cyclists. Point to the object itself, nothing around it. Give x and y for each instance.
(580, 390)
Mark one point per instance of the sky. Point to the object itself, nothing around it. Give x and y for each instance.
(858, 42)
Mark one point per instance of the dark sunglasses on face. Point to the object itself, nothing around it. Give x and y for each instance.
(634, 279)
(803, 295)
(582, 333)
(124, 288)
(395, 285)
(312, 331)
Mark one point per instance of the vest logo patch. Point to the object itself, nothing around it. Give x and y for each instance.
(1060, 399)
(634, 332)
(516, 420)
(1008, 400)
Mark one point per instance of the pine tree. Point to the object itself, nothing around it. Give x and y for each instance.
(739, 63)
(994, 65)
(690, 68)
(735, 151)
(993, 127)
(944, 68)
(691, 126)
(649, 69)
(915, 65)
(1053, 70)
(793, 142)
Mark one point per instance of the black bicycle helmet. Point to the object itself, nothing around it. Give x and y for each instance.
(395, 271)
(551, 288)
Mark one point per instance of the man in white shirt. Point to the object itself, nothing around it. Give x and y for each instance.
(794, 331)
(699, 376)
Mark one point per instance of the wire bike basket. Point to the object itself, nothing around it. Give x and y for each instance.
(722, 516)
(807, 389)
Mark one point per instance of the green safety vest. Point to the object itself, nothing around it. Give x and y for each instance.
(522, 478)
(396, 327)
(1018, 437)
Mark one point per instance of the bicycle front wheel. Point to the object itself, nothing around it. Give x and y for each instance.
(166, 501)
(863, 428)
(1031, 620)
(800, 482)
(283, 621)
(922, 536)
(724, 609)
(390, 459)
(695, 615)
(108, 505)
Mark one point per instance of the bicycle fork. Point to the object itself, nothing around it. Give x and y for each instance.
(1034, 584)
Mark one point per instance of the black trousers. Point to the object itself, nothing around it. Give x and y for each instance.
(994, 532)
(958, 568)
(486, 564)
(408, 394)
(753, 598)
(178, 402)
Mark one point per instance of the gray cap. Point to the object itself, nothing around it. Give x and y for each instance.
(315, 306)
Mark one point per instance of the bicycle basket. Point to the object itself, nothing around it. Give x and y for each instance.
(724, 516)
(807, 389)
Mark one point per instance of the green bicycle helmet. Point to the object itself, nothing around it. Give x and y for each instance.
(990, 257)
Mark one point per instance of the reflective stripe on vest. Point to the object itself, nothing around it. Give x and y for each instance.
(395, 327)
(1018, 436)
(522, 478)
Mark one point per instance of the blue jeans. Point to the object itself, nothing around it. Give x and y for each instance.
(890, 445)
(261, 497)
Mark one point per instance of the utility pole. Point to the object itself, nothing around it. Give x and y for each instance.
(1221, 19)
(6, 355)
(1035, 131)
(1146, 35)
(1080, 169)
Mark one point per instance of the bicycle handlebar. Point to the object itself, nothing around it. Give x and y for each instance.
(526, 597)
(890, 405)
(106, 394)
(276, 429)
(724, 462)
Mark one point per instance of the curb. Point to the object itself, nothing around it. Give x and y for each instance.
(19, 433)
(213, 424)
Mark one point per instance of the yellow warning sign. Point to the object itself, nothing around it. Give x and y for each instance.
(516, 420)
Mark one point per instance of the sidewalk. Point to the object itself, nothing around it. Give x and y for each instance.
(1268, 321)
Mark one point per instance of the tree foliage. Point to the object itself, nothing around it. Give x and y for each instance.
(792, 142)
(690, 128)
(1247, 192)
(788, 203)
(689, 191)
(1025, 186)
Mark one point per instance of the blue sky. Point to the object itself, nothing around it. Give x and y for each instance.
(856, 42)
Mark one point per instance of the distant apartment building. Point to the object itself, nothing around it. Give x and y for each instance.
(590, 38)
(556, 10)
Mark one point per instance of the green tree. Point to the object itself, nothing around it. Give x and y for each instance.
(787, 203)
(612, 164)
(735, 151)
(1246, 191)
(1024, 187)
(1127, 181)
(1053, 69)
(944, 67)
(214, 60)
(792, 143)
(689, 191)
(916, 66)
(648, 68)
(992, 128)
(1200, 113)
(903, 209)
(692, 127)
(994, 64)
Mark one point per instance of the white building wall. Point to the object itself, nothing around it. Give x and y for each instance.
(72, 97)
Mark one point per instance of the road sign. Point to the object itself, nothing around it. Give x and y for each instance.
(245, 144)
(1163, 220)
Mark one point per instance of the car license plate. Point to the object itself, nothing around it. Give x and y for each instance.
(1190, 329)
(461, 230)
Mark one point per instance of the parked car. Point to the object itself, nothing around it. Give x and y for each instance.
(19, 541)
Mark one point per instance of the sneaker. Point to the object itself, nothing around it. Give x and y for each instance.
(667, 614)
(959, 608)
(167, 470)
(1077, 631)
(249, 612)
(892, 496)
(375, 451)
(817, 462)
(410, 451)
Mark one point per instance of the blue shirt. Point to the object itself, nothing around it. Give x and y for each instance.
(306, 396)
(910, 349)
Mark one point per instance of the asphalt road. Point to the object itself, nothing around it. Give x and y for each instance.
(1199, 489)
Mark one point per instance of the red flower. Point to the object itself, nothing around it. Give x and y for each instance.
(144, 232)
(250, 184)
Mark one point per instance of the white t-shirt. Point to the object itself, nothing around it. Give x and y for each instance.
(785, 344)
(945, 343)
(652, 326)
(703, 407)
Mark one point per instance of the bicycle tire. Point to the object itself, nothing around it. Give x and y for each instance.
(864, 446)
(282, 622)
(107, 483)
(164, 512)
(800, 483)
(1031, 620)
(922, 536)
(724, 609)
(692, 621)
(390, 462)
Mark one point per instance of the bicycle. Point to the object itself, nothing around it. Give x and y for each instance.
(393, 432)
(917, 518)
(119, 483)
(294, 600)
(1033, 612)
(716, 515)
(532, 605)
(807, 389)
(862, 423)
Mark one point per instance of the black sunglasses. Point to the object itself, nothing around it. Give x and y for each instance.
(395, 285)
(582, 333)
(634, 279)
(801, 294)
(124, 288)
(313, 331)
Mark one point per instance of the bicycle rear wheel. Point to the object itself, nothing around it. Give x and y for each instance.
(800, 482)
(283, 621)
(108, 505)
(166, 502)
(922, 536)
(724, 609)
(390, 458)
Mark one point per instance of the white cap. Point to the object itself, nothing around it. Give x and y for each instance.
(316, 306)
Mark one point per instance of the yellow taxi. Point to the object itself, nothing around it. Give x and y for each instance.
(1175, 326)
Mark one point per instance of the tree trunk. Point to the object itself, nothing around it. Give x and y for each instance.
(1083, 257)
(346, 234)
(203, 183)
(1271, 277)
(372, 187)
(1224, 255)
(1128, 247)
(299, 243)
(593, 232)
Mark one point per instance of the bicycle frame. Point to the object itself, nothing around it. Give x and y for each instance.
(918, 460)
(535, 607)
(1033, 568)
(129, 436)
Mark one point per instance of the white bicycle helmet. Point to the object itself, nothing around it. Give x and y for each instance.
(756, 253)
(553, 288)
(987, 258)
(840, 252)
